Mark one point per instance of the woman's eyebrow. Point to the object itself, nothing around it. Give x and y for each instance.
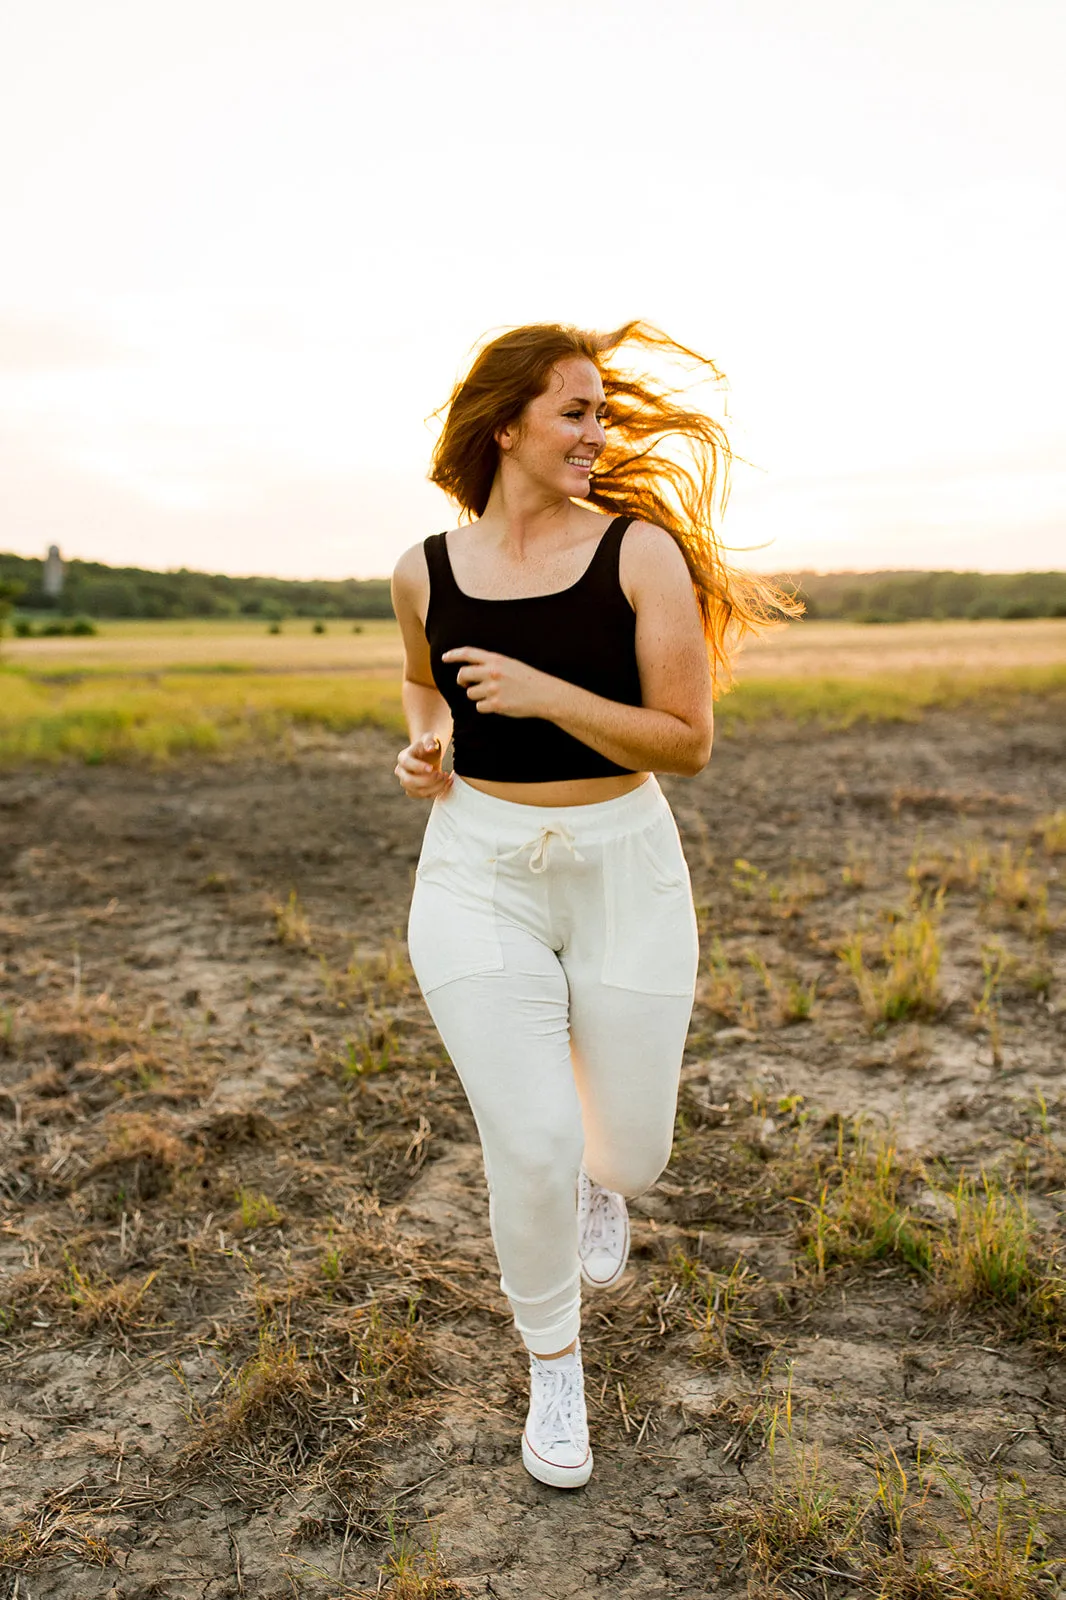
(583, 400)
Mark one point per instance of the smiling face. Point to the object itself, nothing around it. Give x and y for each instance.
(560, 433)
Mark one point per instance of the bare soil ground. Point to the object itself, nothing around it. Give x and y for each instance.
(251, 1340)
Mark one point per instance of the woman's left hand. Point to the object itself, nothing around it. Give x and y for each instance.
(498, 683)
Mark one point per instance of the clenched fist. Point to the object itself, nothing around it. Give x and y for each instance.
(419, 769)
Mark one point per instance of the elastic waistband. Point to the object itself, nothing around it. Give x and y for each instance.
(595, 823)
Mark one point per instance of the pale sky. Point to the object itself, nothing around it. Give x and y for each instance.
(249, 244)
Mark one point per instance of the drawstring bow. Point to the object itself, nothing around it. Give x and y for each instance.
(539, 847)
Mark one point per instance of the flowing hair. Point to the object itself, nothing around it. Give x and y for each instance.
(682, 490)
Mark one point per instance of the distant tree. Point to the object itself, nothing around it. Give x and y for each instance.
(9, 593)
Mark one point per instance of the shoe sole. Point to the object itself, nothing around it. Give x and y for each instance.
(555, 1477)
(616, 1277)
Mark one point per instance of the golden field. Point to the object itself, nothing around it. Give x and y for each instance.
(153, 690)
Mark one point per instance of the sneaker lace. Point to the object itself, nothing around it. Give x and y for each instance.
(601, 1230)
(557, 1412)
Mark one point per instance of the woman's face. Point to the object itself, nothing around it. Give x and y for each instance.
(560, 433)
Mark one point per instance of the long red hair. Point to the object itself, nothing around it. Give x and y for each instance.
(683, 491)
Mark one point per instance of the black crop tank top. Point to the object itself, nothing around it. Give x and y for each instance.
(585, 634)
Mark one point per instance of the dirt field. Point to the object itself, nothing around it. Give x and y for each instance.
(251, 1338)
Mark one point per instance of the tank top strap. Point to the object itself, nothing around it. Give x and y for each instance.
(441, 578)
(603, 568)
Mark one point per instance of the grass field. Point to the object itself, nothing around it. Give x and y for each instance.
(808, 649)
(154, 690)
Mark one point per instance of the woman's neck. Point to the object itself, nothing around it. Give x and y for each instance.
(517, 518)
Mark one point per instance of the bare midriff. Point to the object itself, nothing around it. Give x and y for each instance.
(561, 791)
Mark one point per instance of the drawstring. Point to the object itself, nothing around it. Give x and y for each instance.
(539, 845)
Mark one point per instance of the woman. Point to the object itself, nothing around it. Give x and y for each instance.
(569, 639)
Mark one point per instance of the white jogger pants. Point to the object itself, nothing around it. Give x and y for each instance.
(556, 948)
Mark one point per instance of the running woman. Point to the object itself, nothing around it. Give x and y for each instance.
(568, 639)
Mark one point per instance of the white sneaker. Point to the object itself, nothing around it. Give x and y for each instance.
(602, 1233)
(555, 1443)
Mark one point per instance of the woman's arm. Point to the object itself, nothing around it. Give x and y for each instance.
(674, 728)
(428, 717)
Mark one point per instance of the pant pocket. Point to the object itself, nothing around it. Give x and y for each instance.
(452, 931)
(651, 942)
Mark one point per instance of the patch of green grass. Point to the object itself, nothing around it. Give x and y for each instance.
(897, 697)
(331, 1265)
(375, 1052)
(209, 713)
(257, 1210)
(216, 708)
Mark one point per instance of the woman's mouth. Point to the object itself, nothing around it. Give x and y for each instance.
(582, 463)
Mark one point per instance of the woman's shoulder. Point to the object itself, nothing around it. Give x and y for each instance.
(650, 563)
(410, 578)
(413, 565)
(647, 542)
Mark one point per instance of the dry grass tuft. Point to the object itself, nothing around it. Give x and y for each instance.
(291, 924)
(802, 1526)
(723, 994)
(858, 1215)
(413, 1574)
(721, 1308)
(900, 977)
(56, 1533)
(996, 1259)
(141, 1158)
(263, 1411)
(390, 1369)
(1051, 830)
(375, 979)
(101, 1304)
(889, 1544)
(1015, 893)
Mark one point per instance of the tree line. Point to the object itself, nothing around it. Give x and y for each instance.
(910, 596)
(93, 590)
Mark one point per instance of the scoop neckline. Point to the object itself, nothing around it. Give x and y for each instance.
(519, 599)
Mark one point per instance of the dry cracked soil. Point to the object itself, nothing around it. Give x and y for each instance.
(251, 1338)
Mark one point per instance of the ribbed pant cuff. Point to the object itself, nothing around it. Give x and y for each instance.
(547, 1322)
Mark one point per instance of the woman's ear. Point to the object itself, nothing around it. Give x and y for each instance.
(507, 436)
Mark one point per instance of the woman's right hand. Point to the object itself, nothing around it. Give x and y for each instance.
(419, 769)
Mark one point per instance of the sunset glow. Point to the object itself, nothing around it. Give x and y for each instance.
(249, 247)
